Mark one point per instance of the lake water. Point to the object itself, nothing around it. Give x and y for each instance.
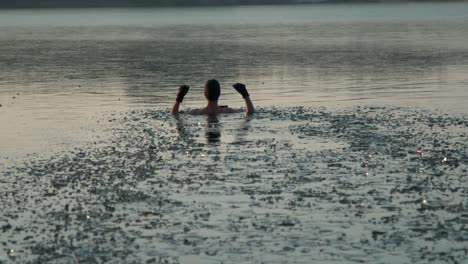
(64, 66)
(357, 152)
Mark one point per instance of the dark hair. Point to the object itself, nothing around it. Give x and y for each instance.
(212, 90)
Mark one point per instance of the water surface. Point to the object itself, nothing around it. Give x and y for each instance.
(288, 185)
(65, 65)
(94, 169)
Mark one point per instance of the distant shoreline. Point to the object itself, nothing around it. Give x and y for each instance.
(28, 4)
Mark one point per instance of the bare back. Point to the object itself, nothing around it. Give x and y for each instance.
(212, 92)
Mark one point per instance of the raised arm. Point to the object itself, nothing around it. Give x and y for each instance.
(183, 90)
(240, 88)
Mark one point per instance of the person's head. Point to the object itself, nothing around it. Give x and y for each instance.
(212, 90)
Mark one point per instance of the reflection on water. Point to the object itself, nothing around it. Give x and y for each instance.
(304, 63)
(419, 58)
(213, 129)
(66, 72)
(242, 131)
(294, 184)
(212, 126)
(310, 186)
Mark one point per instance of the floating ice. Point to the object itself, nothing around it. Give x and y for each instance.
(287, 184)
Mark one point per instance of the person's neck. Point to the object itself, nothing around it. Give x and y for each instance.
(212, 104)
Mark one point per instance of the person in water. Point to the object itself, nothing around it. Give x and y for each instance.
(212, 93)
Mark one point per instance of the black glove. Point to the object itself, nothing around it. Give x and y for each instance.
(240, 88)
(183, 90)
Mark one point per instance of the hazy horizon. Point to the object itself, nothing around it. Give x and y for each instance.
(168, 3)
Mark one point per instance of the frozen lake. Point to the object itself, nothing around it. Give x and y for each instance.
(64, 66)
(358, 151)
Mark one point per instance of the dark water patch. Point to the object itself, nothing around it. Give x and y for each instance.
(364, 184)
